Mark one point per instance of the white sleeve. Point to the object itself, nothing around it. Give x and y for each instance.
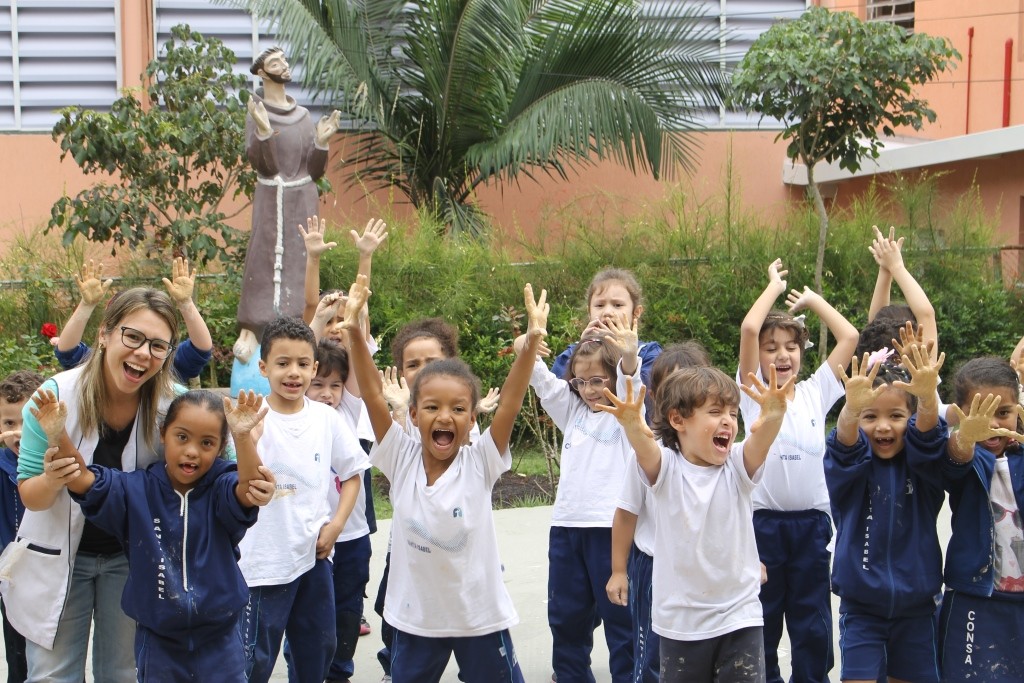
(620, 383)
(830, 388)
(735, 462)
(667, 458)
(555, 395)
(633, 493)
(385, 455)
(485, 453)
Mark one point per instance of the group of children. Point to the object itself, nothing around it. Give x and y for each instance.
(691, 546)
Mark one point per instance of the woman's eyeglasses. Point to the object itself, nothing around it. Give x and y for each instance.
(578, 383)
(133, 339)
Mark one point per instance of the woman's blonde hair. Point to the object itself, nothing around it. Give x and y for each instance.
(92, 389)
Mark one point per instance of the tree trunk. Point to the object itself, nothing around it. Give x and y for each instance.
(819, 261)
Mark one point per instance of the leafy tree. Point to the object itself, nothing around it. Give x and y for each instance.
(836, 82)
(462, 92)
(168, 164)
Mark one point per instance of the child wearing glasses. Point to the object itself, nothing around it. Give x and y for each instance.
(593, 466)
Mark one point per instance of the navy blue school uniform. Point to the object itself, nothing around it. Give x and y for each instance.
(184, 586)
(980, 628)
(11, 511)
(646, 659)
(887, 569)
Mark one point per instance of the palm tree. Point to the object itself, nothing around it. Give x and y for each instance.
(460, 92)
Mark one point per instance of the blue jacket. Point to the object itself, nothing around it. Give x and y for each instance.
(969, 556)
(11, 507)
(183, 576)
(888, 561)
(188, 360)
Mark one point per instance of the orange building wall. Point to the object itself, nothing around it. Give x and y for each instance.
(34, 177)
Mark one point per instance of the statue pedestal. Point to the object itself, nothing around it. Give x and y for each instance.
(247, 377)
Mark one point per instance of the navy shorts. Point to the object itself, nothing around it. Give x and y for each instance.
(873, 647)
(981, 639)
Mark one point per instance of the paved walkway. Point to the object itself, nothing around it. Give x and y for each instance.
(522, 540)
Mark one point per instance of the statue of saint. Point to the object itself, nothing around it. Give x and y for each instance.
(289, 154)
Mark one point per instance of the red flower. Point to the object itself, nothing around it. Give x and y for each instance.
(49, 330)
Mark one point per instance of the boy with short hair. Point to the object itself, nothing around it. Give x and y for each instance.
(352, 550)
(706, 576)
(285, 554)
(15, 390)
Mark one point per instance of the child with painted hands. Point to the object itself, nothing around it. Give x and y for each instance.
(180, 521)
(706, 575)
(983, 605)
(791, 506)
(883, 466)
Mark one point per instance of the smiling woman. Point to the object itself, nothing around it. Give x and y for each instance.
(71, 572)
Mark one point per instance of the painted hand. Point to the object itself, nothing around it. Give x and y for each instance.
(182, 282)
(91, 285)
(771, 397)
(373, 236)
(313, 237)
(247, 412)
(628, 412)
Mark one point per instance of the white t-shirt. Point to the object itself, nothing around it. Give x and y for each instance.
(350, 409)
(794, 473)
(635, 498)
(301, 449)
(594, 451)
(1009, 537)
(707, 577)
(445, 576)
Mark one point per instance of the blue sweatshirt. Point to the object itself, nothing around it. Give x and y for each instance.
(888, 561)
(183, 576)
(188, 360)
(969, 556)
(11, 507)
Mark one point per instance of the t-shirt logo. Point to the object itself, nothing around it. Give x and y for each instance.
(456, 512)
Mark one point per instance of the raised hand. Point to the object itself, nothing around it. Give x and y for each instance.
(373, 236)
(628, 412)
(358, 295)
(91, 284)
(623, 336)
(50, 413)
(395, 389)
(537, 311)
(777, 276)
(313, 237)
(798, 301)
(859, 390)
(771, 397)
(327, 309)
(182, 282)
(247, 412)
(977, 426)
(924, 373)
(887, 251)
(489, 403)
(909, 338)
(261, 491)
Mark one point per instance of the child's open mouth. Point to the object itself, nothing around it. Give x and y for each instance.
(189, 468)
(443, 438)
(134, 372)
(721, 442)
(993, 444)
(292, 386)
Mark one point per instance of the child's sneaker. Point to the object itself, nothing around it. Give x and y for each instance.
(364, 627)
